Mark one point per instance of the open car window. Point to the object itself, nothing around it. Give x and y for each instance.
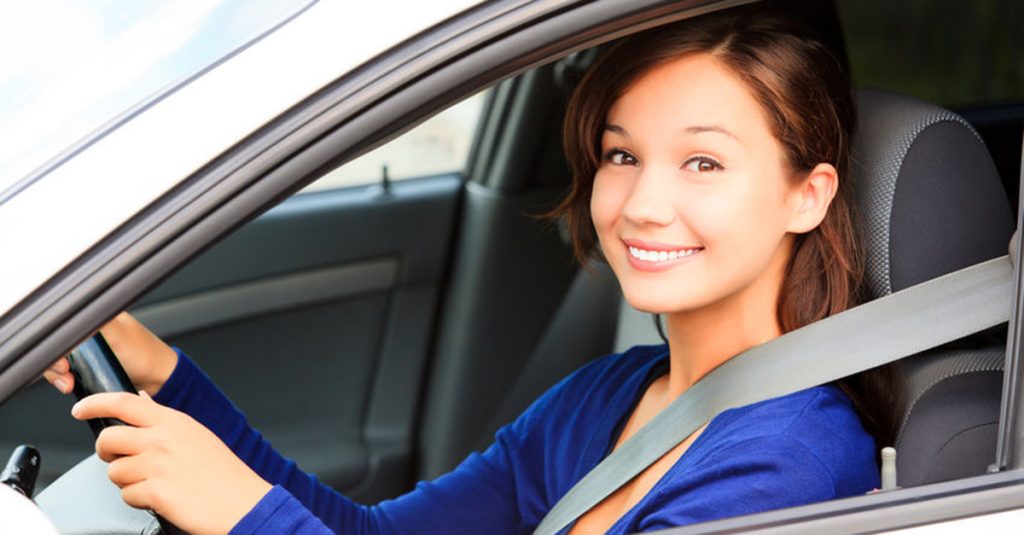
(372, 317)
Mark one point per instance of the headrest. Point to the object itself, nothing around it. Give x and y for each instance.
(928, 196)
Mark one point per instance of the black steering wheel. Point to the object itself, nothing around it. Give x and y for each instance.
(84, 500)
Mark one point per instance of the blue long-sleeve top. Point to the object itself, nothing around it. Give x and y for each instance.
(797, 449)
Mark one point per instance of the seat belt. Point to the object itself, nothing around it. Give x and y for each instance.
(887, 329)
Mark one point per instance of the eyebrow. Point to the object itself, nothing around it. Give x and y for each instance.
(711, 128)
(689, 130)
(616, 129)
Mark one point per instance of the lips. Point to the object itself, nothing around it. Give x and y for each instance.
(660, 256)
(652, 256)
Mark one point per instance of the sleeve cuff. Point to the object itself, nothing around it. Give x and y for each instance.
(175, 389)
(278, 512)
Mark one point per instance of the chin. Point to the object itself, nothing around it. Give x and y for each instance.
(657, 303)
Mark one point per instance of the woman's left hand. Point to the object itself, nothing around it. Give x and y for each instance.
(169, 463)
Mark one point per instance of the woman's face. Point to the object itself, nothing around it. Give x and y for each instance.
(693, 203)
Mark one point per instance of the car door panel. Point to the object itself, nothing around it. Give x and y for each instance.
(290, 314)
(315, 319)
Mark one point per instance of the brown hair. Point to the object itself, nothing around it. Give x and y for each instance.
(804, 89)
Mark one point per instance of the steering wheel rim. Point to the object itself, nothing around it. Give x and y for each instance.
(75, 500)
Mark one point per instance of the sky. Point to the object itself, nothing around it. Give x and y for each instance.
(72, 66)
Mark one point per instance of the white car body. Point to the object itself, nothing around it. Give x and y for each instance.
(130, 167)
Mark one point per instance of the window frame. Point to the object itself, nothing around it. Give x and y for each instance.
(472, 137)
(461, 56)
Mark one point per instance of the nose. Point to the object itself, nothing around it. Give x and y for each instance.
(649, 201)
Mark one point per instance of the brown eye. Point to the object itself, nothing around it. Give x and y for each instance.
(702, 164)
(619, 157)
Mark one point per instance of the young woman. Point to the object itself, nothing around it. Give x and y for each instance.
(709, 164)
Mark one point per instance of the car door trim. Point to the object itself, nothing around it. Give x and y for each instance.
(1009, 446)
(902, 508)
(236, 302)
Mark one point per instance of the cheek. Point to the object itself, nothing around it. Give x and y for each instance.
(606, 199)
(746, 222)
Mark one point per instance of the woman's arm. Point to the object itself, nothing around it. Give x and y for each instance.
(171, 463)
(481, 491)
(197, 452)
(165, 461)
(233, 461)
(191, 391)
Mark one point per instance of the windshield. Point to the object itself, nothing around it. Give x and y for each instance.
(73, 69)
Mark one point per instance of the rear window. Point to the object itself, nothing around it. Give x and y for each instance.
(956, 54)
(440, 145)
(965, 56)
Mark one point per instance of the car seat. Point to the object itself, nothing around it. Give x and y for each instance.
(929, 201)
(932, 202)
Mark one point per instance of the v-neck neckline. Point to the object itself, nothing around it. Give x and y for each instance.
(657, 368)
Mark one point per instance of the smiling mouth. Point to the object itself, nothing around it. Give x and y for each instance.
(645, 255)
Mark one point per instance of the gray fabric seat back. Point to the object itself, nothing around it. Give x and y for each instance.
(930, 202)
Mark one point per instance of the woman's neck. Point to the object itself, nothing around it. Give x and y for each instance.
(700, 343)
(700, 340)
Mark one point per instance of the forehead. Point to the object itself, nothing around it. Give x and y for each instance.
(693, 90)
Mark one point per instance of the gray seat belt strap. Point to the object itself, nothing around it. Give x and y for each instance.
(884, 330)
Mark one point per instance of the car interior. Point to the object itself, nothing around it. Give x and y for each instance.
(378, 333)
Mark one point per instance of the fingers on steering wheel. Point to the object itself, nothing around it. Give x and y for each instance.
(60, 367)
(125, 471)
(119, 441)
(142, 495)
(59, 375)
(130, 408)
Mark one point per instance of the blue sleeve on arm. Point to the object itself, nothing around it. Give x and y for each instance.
(296, 497)
(797, 449)
(279, 512)
(481, 491)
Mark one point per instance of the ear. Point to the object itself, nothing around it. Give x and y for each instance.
(812, 197)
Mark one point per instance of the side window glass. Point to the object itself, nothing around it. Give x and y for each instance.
(964, 56)
(957, 55)
(439, 145)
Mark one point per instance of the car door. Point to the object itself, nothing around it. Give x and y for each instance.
(304, 315)
(537, 33)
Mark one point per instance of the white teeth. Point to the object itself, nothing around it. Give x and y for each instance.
(659, 256)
